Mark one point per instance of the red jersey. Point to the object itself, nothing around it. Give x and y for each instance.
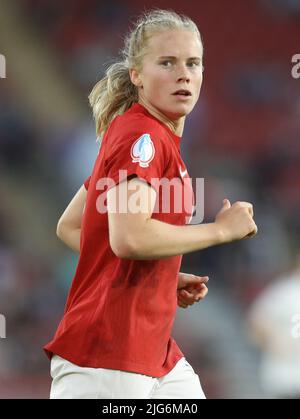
(120, 313)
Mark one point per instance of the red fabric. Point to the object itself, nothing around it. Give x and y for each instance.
(87, 183)
(120, 313)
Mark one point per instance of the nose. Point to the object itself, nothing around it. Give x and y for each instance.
(182, 74)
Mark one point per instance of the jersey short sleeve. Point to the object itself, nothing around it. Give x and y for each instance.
(137, 152)
(86, 183)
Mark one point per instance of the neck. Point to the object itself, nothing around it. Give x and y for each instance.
(176, 126)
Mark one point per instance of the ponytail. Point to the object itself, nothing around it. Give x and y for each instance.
(112, 96)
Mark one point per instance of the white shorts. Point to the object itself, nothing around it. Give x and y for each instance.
(73, 382)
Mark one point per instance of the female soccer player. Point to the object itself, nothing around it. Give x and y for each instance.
(114, 340)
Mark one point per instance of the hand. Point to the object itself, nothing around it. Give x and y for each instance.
(190, 289)
(236, 221)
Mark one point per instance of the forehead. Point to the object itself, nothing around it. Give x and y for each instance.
(175, 42)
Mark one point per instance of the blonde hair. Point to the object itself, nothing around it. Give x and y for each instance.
(115, 93)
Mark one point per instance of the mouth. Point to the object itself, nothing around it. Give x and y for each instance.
(182, 93)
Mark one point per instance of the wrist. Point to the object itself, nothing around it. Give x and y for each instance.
(220, 233)
(179, 281)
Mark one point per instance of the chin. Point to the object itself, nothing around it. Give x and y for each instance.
(179, 112)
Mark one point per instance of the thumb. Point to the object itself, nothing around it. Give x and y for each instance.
(190, 280)
(226, 205)
(203, 279)
(197, 280)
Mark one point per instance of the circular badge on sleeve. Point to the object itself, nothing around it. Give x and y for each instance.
(142, 150)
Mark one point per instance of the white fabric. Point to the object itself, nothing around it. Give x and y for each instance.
(73, 382)
(277, 312)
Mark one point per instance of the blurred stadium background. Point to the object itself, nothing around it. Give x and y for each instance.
(243, 138)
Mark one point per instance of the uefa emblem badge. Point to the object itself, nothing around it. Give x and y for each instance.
(142, 150)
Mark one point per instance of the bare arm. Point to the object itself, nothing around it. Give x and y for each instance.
(138, 236)
(69, 224)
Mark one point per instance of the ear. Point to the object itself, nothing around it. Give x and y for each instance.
(135, 77)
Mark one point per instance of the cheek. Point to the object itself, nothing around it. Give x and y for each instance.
(155, 82)
(198, 84)
(200, 81)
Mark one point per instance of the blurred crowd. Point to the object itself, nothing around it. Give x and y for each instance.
(242, 138)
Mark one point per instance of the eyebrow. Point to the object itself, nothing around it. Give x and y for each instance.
(172, 57)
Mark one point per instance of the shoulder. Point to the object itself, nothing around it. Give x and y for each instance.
(130, 127)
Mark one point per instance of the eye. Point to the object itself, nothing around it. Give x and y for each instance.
(193, 64)
(166, 63)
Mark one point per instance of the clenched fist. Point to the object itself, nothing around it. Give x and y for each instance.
(236, 221)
